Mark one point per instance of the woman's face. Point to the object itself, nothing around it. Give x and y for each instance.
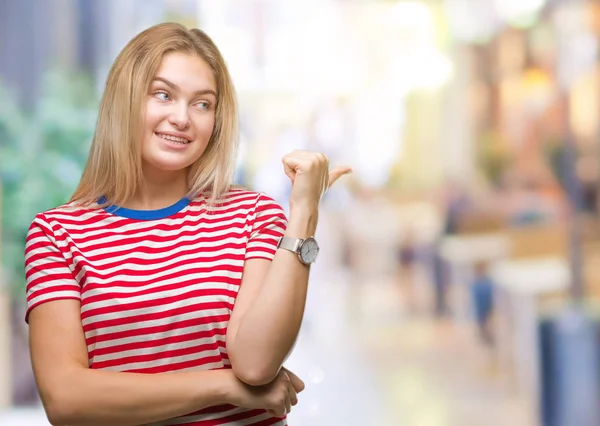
(179, 115)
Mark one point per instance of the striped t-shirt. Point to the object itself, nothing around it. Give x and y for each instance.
(157, 287)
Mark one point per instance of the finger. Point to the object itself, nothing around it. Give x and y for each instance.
(288, 404)
(296, 381)
(325, 183)
(292, 393)
(338, 172)
(276, 413)
(279, 411)
(293, 396)
(294, 164)
(324, 159)
(288, 169)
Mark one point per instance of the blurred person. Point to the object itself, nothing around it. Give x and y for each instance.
(455, 204)
(407, 262)
(161, 292)
(482, 294)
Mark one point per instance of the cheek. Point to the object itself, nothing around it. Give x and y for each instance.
(152, 117)
(205, 126)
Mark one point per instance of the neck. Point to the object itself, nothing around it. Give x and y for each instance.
(159, 190)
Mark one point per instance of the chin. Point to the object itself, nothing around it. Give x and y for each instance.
(169, 166)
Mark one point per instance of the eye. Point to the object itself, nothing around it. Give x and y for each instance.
(163, 96)
(203, 105)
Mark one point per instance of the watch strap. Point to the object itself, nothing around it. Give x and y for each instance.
(291, 244)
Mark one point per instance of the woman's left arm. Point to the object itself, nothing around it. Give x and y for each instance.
(269, 307)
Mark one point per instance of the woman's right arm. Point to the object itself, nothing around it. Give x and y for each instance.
(73, 394)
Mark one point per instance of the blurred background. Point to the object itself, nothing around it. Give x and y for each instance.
(459, 278)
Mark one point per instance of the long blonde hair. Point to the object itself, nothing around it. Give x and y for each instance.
(114, 166)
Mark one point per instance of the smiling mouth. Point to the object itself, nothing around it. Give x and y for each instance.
(175, 139)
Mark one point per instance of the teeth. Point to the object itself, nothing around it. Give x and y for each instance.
(173, 138)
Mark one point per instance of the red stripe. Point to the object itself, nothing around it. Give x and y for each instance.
(85, 225)
(158, 356)
(176, 366)
(106, 294)
(167, 340)
(145, 317)
(107, 337)
(141, 234)
(154, 250)
(269, 422)
(194, 257)
(241, 416)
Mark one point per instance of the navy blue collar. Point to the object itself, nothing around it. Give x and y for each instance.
(146, 214)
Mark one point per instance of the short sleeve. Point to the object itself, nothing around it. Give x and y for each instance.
(47, 274)
(268, 227)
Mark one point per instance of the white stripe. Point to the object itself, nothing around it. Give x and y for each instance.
(55, 295)
(45, 249)
(125, 310)
(174, 248)
(143, 228)
(155, 287)
(198, 253)
(196, 276)
(100, 331)
(252, 420)
(261, 245)
(157, 350)
(224, 363)
(122, 313)
(126, 242)
(154, 336)
(213, 416)
(165, 361)
(48, 272)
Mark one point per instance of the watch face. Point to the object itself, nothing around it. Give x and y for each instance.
(309, 250)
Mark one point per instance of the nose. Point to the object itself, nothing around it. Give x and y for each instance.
(179, 116)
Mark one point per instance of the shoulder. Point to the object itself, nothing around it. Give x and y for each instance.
(65, 214)
(240, 202)
(241, 197)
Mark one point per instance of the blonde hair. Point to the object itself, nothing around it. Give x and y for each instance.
(114, 166)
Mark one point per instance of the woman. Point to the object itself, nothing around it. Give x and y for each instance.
(159, 265)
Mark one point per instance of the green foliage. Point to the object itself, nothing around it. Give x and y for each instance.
(42, 155)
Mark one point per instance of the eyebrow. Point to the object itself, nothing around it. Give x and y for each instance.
(176, 87)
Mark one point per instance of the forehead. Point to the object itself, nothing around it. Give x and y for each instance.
(189, 72)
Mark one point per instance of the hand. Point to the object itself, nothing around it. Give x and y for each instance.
(277, 397)
(297, 385)
(310, 176)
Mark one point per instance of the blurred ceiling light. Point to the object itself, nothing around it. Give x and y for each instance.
(379, 126)
(472, 21)
(520, 13)
(411, 14)
(423, 68)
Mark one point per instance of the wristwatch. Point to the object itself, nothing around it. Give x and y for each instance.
(307, 249)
